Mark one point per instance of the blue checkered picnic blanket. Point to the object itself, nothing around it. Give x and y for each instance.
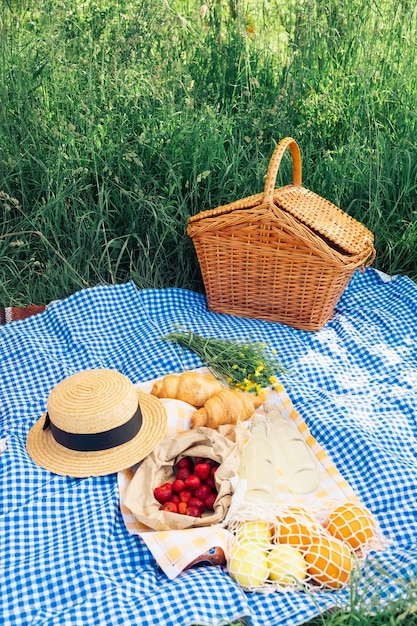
(66, 555)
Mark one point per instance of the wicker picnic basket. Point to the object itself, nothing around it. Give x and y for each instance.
(285, 255)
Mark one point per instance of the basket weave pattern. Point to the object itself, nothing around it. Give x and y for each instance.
(285, 255)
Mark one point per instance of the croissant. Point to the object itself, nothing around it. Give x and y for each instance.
(227, 406)
(192, 387)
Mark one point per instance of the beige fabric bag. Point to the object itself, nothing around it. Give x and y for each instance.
(158, 468)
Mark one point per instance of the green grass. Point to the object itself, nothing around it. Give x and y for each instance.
(368, 610)
(366, 607)
(120, 119)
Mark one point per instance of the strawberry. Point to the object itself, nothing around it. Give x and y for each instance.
(182, 473)
(210, 483)
(169, 506)
(185, 496)
(202, 492)
(187, 462)
(210, 500)
(192, 482)
(175, 498)
(196, 502)
(213, 470)
(202, 470)
(182, 508)
(163, 493)
(194, 511)
(178, 485)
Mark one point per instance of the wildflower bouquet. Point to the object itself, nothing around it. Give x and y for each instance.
(245, 365)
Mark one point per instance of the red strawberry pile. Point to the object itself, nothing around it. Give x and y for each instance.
(192, 490)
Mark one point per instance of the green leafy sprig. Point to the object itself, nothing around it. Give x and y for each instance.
(245, 365)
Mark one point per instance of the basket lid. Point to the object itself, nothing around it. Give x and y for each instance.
(324, 218)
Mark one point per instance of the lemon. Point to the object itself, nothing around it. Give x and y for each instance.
(254, 531)
(286, 565)
(248, 563)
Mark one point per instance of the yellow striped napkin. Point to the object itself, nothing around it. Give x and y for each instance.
(175, 550)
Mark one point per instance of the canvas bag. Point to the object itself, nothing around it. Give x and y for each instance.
(221, 445)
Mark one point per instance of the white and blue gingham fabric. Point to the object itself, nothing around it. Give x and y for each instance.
(65, 554)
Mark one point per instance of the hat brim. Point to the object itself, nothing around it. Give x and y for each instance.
(52, 456)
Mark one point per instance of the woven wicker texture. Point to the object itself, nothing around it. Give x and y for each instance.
(91, 402)
(284, 255)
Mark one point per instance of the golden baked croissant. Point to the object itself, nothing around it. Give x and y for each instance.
(227, 406)
(192, 387)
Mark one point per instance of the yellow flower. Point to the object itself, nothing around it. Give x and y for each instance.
(259, 370)
(246, 384)
(272, 380)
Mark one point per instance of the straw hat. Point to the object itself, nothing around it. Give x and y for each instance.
(96, 423)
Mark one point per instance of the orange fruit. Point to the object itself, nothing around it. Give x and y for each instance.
(329, 562)
(351, 523)
(296, 527)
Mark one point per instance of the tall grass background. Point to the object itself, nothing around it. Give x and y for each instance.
(119, 119)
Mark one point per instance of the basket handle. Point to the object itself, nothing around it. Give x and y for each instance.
(275, 162)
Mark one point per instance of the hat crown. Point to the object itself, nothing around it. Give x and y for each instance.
(92, 401)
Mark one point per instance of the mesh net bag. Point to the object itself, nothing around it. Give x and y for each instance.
(287, 548)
